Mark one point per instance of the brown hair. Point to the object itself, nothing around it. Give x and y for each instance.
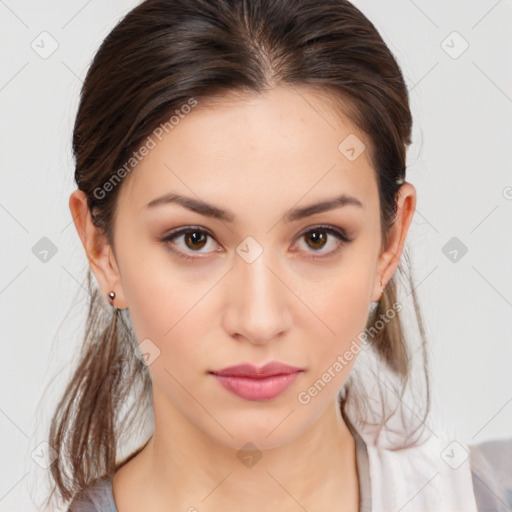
(160, 55)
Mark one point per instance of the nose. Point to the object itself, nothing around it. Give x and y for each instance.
(257, 307)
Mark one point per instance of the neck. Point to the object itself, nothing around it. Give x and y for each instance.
(317, 470)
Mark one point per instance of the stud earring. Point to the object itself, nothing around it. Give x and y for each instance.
(380, 284)
(111, 297)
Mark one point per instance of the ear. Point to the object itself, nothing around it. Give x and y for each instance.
(99, 252)
(390, 257)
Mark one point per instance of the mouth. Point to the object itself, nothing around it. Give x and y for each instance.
(257, 384)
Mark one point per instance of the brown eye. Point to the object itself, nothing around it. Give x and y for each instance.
(193, 240)
(197, 239)
(318, 239)
(320, 236)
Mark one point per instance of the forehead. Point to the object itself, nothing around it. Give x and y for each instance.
(278, 146)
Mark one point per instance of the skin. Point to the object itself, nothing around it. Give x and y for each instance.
(257, 157)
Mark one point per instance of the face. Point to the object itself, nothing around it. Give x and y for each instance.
(268, 280)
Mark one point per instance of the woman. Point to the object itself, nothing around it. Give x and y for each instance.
(243, 206)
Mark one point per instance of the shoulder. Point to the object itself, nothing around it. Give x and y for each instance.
(96, 498)
(433, 474)
(425, 471)
(491, 468)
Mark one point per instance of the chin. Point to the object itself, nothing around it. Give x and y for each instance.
(265, 431)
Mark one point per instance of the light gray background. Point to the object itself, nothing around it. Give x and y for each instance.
(459, 162)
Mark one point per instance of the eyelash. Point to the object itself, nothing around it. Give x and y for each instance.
(340, 235)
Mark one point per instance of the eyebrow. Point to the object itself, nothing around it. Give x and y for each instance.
(209, 210)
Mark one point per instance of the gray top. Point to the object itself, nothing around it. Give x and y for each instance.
(491, 471)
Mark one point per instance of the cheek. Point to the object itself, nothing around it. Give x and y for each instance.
(169, 307)
(347, 308)
(166, 316)
(165, 309)
(341, 310)
(341, 300)
(346, 318)
(159, 294)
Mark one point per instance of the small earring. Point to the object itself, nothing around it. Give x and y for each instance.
(380, 284)
(111, 297)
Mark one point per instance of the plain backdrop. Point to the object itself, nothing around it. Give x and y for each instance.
(456, 60)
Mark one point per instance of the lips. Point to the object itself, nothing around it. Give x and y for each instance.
(252, 383)
(248, 370)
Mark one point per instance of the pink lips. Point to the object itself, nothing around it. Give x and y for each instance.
(252, 383)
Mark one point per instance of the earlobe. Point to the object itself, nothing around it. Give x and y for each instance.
(98, 251)
(389, 259)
